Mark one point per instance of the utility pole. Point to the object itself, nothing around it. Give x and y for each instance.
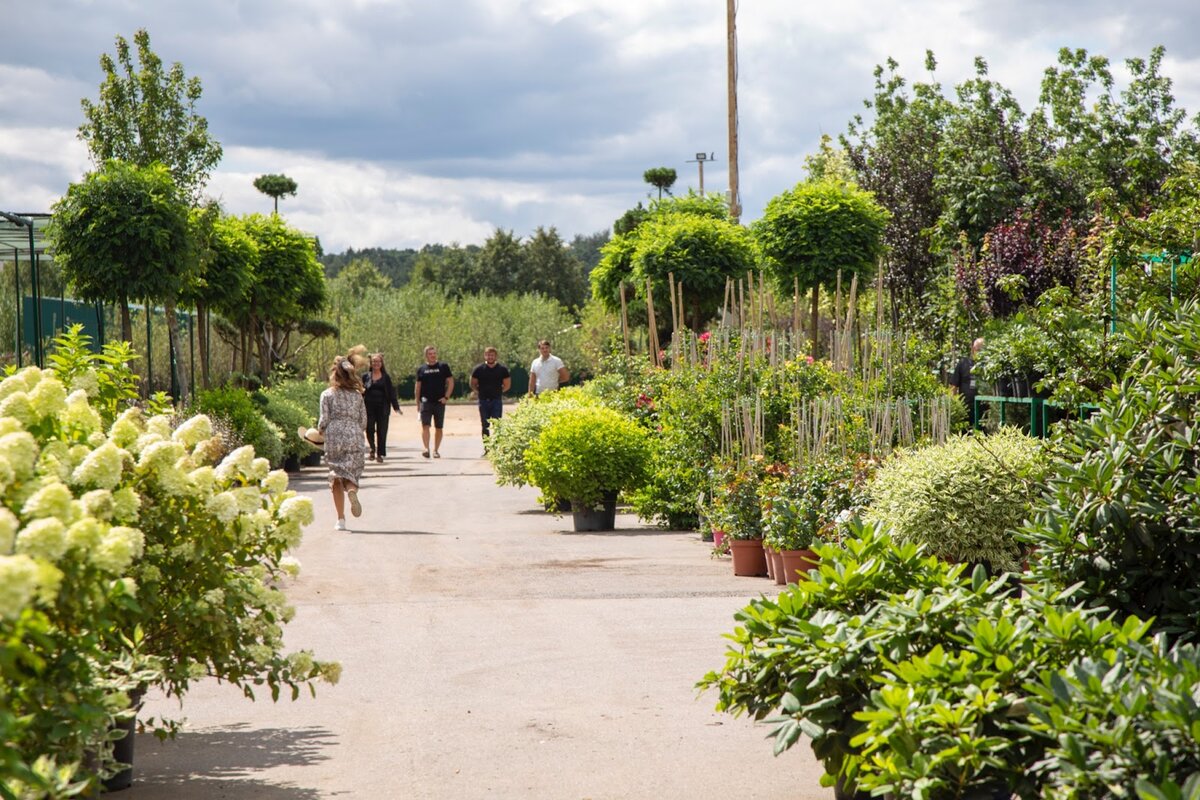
(700, 159)
(735, 202)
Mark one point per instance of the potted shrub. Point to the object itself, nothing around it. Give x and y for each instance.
(736, 510)
(306, 395)
(287, 416)
(589, 455)
(513, 435)
(964, 498)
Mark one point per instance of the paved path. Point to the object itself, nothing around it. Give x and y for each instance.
(488, 652)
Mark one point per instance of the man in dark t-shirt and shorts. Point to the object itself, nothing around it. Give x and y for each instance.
(490, 380)
(435, 384)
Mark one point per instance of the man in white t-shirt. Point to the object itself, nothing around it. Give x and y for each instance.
(547, 371)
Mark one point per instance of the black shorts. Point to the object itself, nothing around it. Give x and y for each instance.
(433, 411)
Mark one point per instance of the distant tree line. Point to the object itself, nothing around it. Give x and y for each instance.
(542, 263)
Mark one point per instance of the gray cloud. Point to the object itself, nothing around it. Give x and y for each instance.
(443, 120)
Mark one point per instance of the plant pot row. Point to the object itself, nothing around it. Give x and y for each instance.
(752, 558)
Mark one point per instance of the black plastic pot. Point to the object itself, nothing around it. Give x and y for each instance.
(588, 518)
(291, 464)
(312, 459)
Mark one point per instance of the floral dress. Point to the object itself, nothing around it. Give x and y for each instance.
(344, 423)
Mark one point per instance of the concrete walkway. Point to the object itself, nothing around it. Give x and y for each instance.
(488, 652)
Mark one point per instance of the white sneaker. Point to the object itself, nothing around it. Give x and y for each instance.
(340, 525)
(355, 506)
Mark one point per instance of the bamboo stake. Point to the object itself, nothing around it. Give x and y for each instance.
(671, 285)
(653, 325)
(624, 320)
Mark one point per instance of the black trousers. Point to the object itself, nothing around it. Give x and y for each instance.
(378, 415)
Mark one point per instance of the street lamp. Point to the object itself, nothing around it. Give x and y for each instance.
(700, 159)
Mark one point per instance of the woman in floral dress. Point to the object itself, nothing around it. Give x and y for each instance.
(344, 424)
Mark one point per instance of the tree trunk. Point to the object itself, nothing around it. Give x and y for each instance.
(126, 321)
(202, 336)
(816, 320)
(178, 376)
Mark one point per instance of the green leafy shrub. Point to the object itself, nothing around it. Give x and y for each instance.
(963, 499)
(1120, 723)
(286, 417)
(250, 425)
(812, 503)
(305, 393)
(515, 432)
(736, 507)
(1122, 512)
(584, 453)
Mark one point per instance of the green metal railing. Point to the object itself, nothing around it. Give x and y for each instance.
(1039, 408)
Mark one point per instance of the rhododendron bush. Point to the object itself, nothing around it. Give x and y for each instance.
(134, 552)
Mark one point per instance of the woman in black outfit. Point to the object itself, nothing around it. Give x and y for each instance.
(379, 394)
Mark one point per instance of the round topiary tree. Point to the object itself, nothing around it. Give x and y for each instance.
(962, 499)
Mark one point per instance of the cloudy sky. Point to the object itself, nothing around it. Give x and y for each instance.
(407, 122)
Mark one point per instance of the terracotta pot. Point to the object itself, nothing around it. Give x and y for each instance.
(718, 539)
(748, 557)
(770, 562)
(777, 569)
(797, 563)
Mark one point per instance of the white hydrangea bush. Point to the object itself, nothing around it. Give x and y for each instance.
(129, 556)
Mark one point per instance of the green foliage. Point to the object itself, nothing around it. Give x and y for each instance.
(105, 376)
(661, 178)
(1123, 505)
(286, 417)
(275, 187)
(806, 504)
(146, 115)
(248, 423)
(513, 435)
(736, 507)
(122, 234)
(815, 230)
(1120, 723)
(962, 499)
(584, 453)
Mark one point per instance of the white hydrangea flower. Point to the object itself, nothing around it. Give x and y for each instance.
(81, 415)
(128, 586)
(8, 530)
(174, 481)
(290, 534)
(87, 382)
(98, 503)
(12, 384)
(126, 504)
(331, 671)
(102, 467)
(160, 454)
(49, 397)
(50, 580)
(150, 573)
(9, 425)
(215, 596)
(117, 550)
(297, 509)
(52, 500)
(290, 565)
(301, 662)
(160, 424)
(194, 431)
(259, 468)
(6, 474)
(18, 406)
(18, 584)
(55, 460)
(44, 539)
(20, 451)
(85, 534)
(276, 482)
(127, 428)
(236, 464)
(223, 506)
(144, 441)
(203, 479)
(96, 439)
(249, 499)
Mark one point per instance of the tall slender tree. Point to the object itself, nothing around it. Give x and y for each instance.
(275, 187)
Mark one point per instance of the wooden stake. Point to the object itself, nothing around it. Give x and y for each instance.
(624, 320)
(653, 325)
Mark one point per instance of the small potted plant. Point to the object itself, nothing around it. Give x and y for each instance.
(589, 456)
(735, 509)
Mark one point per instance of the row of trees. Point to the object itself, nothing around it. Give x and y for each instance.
(543, 263)
(977, 184)
(137, 228)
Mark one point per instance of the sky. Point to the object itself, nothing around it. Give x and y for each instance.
(410, 122)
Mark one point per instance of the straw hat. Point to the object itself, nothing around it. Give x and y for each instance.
(312, 436)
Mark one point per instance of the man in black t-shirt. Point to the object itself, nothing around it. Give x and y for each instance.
(490, 380)
(435, 385)
(962, 381)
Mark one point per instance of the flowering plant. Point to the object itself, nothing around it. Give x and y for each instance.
(132, 553)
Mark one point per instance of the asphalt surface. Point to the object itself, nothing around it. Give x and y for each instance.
(488, 651)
